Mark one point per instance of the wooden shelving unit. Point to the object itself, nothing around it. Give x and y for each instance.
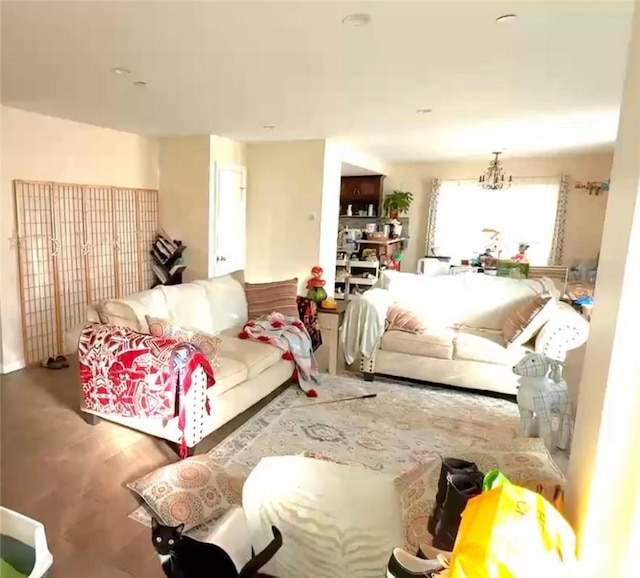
(359, 276)
(168, 264)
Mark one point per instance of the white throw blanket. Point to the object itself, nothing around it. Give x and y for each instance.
(364, 323)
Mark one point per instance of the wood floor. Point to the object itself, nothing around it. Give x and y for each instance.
(70, 475)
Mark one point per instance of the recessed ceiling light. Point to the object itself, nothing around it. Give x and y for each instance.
(140, 83)
(360, 19)
(506, 18)
(121, 70)
(269, 126)
(424, 110)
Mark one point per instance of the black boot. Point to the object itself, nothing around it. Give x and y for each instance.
(450, 466)
(460, 489)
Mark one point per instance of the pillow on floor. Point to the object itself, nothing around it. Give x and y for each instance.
(208, 344)
(191, 491)
(527, 319)
(265, 298)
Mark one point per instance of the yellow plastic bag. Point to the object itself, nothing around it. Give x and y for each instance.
(511, 532)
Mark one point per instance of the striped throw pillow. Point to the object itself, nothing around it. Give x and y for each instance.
(527, 319)
(265, 298)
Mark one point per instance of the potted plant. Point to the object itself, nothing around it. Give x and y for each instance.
(396, 203)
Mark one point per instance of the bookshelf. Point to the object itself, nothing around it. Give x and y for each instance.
(168, 264)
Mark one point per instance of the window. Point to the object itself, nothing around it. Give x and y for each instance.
(524, 213)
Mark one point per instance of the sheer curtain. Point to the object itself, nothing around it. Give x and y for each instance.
(525, 213)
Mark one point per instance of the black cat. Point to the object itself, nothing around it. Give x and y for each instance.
(184, 557)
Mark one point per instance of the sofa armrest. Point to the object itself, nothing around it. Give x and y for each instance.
(566, 330)
(364, 324)
(196, 404)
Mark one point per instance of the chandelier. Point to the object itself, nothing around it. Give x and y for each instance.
(494, 177)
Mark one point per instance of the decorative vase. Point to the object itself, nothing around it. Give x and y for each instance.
(397, 230)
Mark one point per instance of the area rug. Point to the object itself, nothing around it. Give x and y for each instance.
(403, 426)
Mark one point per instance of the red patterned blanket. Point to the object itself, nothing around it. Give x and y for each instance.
(129, 374)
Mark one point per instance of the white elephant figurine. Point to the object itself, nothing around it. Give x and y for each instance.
(541, 393)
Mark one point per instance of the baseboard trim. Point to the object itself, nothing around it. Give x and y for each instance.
(11, 367)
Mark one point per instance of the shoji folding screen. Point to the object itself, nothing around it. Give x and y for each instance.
(78, 244)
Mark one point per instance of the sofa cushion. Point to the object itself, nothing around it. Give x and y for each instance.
(93, 313)
(256, 356)
(466, 300)
(208, 344)
(402, 319)
(227, 374)
(227, 302)
(189, 306)
(130, 312)
(485, 346)
(434, 342)
(265, 298)
(525, 320)
(232, 331)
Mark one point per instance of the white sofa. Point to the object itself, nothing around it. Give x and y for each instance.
(248, 371)
(463, 345)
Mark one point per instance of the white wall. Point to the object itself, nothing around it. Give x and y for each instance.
(43, 148)
(284, 209)
(585, 217)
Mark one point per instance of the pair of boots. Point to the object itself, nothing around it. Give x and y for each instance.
(459, 482)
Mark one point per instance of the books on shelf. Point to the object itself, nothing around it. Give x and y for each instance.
(168, 263)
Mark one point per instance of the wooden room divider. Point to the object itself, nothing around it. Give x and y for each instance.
(78, 244)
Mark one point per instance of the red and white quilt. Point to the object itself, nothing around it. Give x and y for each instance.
(129, 374)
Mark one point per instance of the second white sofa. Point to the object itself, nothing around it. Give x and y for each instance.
(463, 345)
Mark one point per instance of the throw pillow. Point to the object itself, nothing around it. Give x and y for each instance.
(208, 344)
(191, 491)
(402, 319)
(265, 298)
(527, 319)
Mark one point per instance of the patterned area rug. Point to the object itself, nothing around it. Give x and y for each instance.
(403, 426)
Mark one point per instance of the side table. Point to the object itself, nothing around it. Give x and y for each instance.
(329, 355)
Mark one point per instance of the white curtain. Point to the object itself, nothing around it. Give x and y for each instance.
(525, 213)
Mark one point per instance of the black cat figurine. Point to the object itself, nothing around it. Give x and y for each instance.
(184, 557)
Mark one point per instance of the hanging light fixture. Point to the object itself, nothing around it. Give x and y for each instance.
(494, 177)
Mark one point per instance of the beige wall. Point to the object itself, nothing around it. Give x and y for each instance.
(38, 147)
(187, 166)
(184, 198)
(603, 491)
(585, 218)
(293, 204)
(284, 208)
(224, 150)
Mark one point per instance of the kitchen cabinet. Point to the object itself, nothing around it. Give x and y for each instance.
(227, 219)
(360, 192)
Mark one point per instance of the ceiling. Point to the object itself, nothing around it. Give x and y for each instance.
(549, 81)
(349, 170)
